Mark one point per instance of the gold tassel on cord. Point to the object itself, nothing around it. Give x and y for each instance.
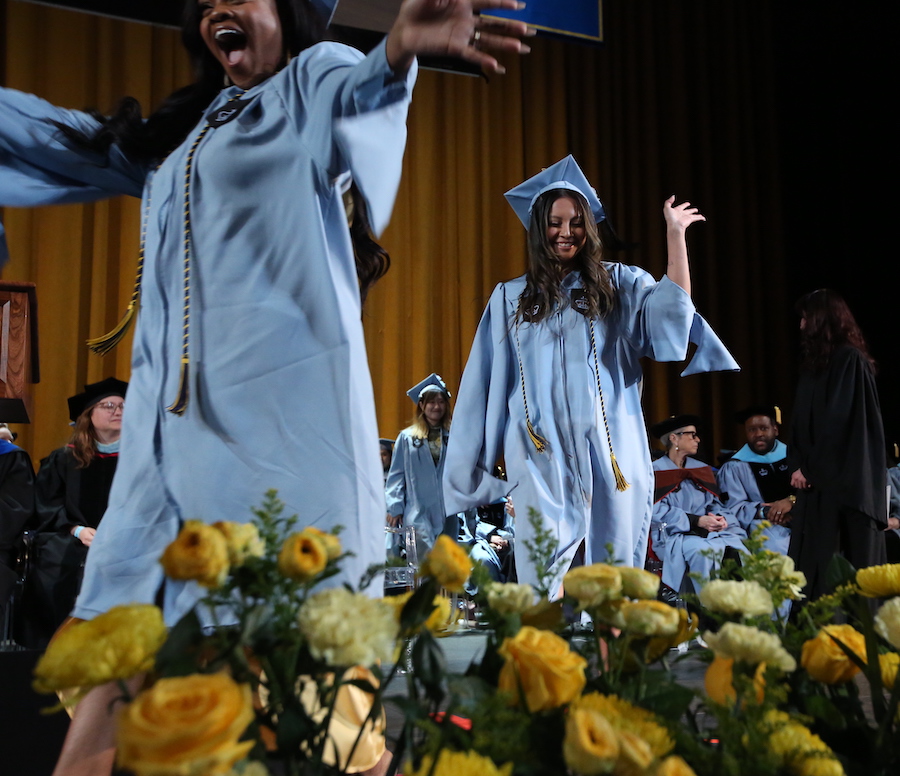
(539, 442)
(621, 482)
(180, 404)
(102, 345)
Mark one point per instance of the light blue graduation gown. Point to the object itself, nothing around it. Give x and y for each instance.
(736, 479)
(680, 550)
(894, 482)
(571, 484)
(413, 490)
(281, 395)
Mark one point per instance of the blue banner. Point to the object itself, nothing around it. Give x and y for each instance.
(571, 18)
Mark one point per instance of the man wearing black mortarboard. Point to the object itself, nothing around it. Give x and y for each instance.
(756, 482)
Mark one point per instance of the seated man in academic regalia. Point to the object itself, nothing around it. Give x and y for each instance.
(755, 483)
(892, 532)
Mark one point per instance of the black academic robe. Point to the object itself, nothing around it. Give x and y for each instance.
(65, 497)
(16, 511)
(837, 438)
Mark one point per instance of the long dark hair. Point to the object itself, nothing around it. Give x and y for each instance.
(829, 325)
(165, 128)
(84, 439)
(543, 281)
(372, 261)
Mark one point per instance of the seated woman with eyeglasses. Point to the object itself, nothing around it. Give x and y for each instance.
(689, 518)
(71, 493)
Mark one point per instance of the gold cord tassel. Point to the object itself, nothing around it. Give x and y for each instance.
(102, 345)
(621, 482)
(539, 442)
(180, 404)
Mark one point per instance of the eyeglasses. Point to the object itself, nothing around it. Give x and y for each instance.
(693, 434)
(111, 406)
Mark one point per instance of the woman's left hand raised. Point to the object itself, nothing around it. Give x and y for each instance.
(454, 28)
(680, 217)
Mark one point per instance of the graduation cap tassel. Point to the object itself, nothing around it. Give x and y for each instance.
(621, 483)
(180, 404)
(103, 345)
(537, 440)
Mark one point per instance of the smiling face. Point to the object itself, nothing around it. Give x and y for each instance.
(565, 229)
(761, 433)
(434, 408)
(244, 36)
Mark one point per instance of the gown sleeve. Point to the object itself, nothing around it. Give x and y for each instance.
(743, 503)
(395, 487)
(351, 113)
(39, 166)
(481, 414)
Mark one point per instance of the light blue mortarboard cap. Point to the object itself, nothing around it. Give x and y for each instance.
(434, 382)
(565, 174)
(325, 8)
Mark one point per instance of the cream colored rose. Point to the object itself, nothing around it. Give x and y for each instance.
(510, 598)
(590, 746)
(185, 726)
(749, 645)
(198, 553)
(242, 540)
(593, 585)
(747, 599)
(638, 583)
(825, 661)
(540, 665)
(781, 568)
(650, 618)
(347, 629)
(887, 622)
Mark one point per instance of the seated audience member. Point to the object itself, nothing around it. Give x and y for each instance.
(892, 532)
(16, 511)
(490, 532)
(387, 453)
(71, 494)
(755, 483)
(688, 515)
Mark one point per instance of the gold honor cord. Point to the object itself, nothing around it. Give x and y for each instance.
(621, 482)
(537, 440)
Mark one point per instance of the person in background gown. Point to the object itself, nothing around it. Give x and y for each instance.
(267, 329)
(552, 383)
(837, 439)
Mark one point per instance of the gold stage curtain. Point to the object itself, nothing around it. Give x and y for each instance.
(679, 100)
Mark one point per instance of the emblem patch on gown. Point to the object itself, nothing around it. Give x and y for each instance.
(580, 300)
(229, 111)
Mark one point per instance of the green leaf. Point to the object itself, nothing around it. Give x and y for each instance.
(178, 655)
(823, 709)
(840, 572)
(429, 665)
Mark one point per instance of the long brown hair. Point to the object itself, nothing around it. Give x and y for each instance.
(84, 439)
(543, 281)
(829, 325)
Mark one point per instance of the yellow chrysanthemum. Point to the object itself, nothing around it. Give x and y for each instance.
(879, 581)
(825, 661)
(199, 553)
(801, 752)
(452, 763)
(593, 585)
(242, 541)
(303, 556)
(119, 644)
(448, 563)
(548, 672)
(186, 726)
(625, 717)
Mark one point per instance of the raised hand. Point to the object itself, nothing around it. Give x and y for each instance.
(454, 28)
(680, 217)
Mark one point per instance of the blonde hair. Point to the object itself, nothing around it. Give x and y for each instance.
(419, 427)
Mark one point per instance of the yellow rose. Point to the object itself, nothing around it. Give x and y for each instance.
(198, 553)
(242, 540)
(438, 621)
(593, 585)
(448, 563)
(185, 726)
(452, 763)
(687, 628)
(879, 581)
(887, 622)
(650, 618)
(889, 663)
(719, 681)
(635, 755)
(541, 663)
(302, 557)
(673, 765)
(825, 661)
(638, 583)
(590, 745)
(115, 645)
(331, 541)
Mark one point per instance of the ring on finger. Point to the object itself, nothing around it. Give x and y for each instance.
(476, 36)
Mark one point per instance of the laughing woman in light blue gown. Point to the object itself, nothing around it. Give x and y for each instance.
(250, 298)
(552, 383)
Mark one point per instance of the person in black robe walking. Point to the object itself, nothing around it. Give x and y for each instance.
(837, 437)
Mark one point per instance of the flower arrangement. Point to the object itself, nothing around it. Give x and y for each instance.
(292, 680)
